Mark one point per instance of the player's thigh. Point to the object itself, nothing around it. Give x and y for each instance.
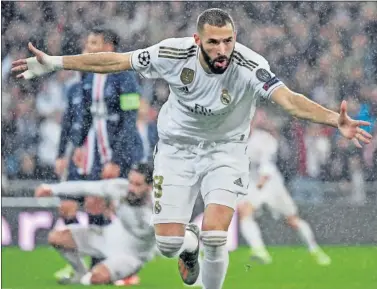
(122, 266)
(227, 169)
(174, 185)
(89, 240)
(116, 238)
(282, 202)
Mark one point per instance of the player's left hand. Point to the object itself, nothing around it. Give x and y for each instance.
(43, 191)
(350, 128)
(110, 171)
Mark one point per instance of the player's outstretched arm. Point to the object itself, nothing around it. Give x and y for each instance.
(301, 107)
(113, 188)
(105, 62)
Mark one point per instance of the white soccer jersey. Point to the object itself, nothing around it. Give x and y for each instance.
(261, 150)
(202, 106)
(135, 219)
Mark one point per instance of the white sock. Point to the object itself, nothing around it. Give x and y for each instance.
(190, 244)
(215, 263)
(307, 235)
(86, 279)
(252, 234)
(172, 246)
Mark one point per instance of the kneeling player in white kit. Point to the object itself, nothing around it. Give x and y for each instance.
(266, 186)
(126, 244)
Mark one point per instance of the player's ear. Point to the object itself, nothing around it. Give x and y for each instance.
(197, 39)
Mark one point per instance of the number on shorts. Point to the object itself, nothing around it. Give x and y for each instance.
(157, 186)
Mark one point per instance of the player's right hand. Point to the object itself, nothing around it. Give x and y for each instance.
(43, 191)
(79, 157)
(36, 66)
(60, 165)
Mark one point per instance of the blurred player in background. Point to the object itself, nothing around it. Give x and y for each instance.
(125, 245)
(266, 186)
(215, 83)
(109, 139)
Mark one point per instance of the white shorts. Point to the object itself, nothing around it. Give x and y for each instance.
(275, 195)
(218, 170)
(111, 242)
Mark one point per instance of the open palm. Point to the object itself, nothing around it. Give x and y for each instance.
(350, 128)
(33, 66)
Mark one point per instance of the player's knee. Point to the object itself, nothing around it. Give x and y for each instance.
(169, 246)
(244, 210)
(292, 221)
(214, 243)
(68, 208)
(56, 238)
(217, 218)
(100, 275)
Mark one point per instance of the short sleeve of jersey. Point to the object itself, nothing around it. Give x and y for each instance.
(264, 81)
(145, 61)
(148, 63)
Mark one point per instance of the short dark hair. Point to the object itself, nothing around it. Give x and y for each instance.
(214, 17)
(109, 36)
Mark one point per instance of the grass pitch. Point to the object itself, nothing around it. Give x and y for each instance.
(292, 268)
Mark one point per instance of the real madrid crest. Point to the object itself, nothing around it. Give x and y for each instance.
(225, 97)
(187, 75)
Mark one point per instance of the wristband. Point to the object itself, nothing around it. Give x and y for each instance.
(56, 62)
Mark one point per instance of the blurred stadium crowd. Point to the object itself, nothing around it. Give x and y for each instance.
(327, 51)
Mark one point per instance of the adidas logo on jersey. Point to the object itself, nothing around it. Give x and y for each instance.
(238, 182)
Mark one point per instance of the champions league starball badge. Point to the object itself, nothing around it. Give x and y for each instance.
(144, 58)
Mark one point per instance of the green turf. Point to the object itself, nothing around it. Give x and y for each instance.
(293, 268)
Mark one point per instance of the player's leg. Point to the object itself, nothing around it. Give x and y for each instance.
(174, 194)
(113, 269)
(216, 221)
(225, 176)
(251, 232)
(65, 244)
(177, 239)
(307, 236)
(284, 205)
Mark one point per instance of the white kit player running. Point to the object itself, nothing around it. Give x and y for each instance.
(214, 84)
(266, 186)
(127, 244)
